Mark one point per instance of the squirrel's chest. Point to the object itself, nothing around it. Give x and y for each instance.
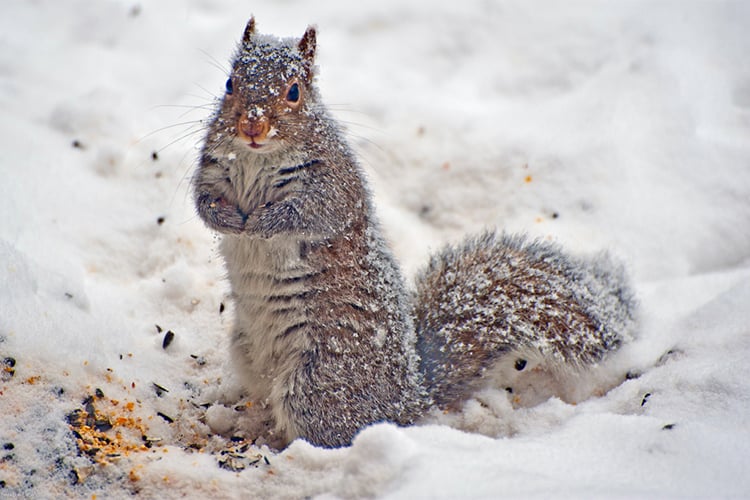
(270, 280)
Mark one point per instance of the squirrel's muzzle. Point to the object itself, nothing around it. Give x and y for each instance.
(253, 130)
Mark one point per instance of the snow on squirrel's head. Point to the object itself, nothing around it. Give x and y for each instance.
(270, 88)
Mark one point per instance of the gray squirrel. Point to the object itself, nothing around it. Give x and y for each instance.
(326, 336)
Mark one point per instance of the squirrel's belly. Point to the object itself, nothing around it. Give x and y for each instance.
(269, 281)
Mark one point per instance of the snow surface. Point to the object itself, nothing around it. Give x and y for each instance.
(619, 125)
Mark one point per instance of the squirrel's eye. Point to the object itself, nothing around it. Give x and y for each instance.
(229, 86)
(292, 94)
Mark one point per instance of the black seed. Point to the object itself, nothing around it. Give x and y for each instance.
(645, 398)
(154, 156)
(77, 144)
(74, 418)
(68, 295)
(102, 425)
(668, 427)
(10, 362)
(168, 338)
(520, 364)
(160, 220)
(221, 308)
(159, 389)
(2, 484)
(236, 439)
(199, 359)
(165, 417)
(265, 459)
(632, 375)
(509, 390)
(555, 215)
(99, 393)
(8, 446)
(74, 477)
(158, 329)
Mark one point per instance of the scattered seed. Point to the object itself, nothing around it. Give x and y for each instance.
(631, 375)
(168, 338)
(102, 425)
(7, 371)
(520, 364)
(168, 419)
(160, 390)
(231, 464)
(199, 359)
(74, 417)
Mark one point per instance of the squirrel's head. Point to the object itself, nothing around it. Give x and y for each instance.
(270, 91)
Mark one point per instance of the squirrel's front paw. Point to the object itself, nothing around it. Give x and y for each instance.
(220, 215)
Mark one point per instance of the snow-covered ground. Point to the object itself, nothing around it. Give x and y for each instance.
(619, 125)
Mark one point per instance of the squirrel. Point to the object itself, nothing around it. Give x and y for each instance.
(326, 335)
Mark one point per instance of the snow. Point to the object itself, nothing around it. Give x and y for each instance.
(623, 126)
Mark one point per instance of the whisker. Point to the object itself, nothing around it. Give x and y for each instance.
(167, 127)
(215, 62)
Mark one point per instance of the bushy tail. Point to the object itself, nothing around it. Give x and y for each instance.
(498, 294)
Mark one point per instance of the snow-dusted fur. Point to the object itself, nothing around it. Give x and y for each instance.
(324, 336)
(496, 306)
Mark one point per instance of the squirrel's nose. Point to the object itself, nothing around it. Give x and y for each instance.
(253, 129)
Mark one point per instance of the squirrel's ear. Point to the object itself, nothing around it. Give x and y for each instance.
(307, 44)
(249, 30)
(307, 50)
